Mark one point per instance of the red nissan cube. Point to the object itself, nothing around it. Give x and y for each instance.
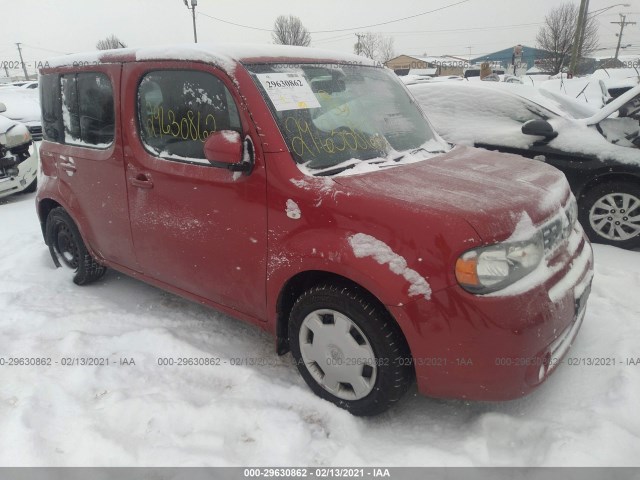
(305, 191)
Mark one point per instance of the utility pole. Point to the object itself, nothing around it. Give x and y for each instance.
(575, 50)
(623, 23)
(24, 67)
(583, 30)
(193, 14)
(6, 70)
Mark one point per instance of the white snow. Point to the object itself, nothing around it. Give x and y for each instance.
(293, 210)
(364, 245)
(263, 413)
(468, 114)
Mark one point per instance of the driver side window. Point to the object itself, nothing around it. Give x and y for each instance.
(178, 110)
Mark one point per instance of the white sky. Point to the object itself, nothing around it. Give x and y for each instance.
(51, 27)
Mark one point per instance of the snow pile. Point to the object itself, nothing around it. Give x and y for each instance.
(367, 246)
(264, 414)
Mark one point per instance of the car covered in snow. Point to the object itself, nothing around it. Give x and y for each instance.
(18, 166)
(597, 149)
(305, 192)
(23, 105)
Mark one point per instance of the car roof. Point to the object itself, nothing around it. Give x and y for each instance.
(225, 56)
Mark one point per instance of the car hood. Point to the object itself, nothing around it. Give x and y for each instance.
(492, 191)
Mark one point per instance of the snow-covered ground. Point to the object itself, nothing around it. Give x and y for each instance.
(151, 415)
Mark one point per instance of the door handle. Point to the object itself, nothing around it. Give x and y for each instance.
(141, 181)
(69, 167)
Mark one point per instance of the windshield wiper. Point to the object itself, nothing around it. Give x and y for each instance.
(333, 171)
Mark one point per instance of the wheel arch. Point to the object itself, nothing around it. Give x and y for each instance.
(606, 177)
(300, 283)
(44, 208)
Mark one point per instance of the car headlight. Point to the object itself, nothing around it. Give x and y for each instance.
(488, 269)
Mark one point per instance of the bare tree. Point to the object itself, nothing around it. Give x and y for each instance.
(375, 46)
(290, 31)
(556, 36)
(110, 42)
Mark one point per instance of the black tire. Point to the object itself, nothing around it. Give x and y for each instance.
(68, 249)
(33, 186)
(376, 330)
(591, 212)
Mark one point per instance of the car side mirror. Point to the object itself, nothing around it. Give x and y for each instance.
(539, 128)
(3, 107)
(224, 149)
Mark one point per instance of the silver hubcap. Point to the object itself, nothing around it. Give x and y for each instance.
(616, 216)
(337, 354)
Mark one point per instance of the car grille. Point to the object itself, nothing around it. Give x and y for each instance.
(36, 132)
(555, 232)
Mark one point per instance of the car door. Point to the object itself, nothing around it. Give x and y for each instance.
(195, 227)
(82, 124)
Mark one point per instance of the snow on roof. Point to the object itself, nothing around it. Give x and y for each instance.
(444, 61)
(223, 55)
(423, 71)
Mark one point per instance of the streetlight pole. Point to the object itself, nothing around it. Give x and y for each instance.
(581, 29)
(193, 14)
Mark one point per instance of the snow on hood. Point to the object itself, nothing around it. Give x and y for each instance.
(470, 114)
(490, 190)
(22, 105)
(6, 123)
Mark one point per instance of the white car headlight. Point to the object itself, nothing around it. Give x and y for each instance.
(488, 269)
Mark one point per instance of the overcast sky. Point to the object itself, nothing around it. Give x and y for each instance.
(50, 27)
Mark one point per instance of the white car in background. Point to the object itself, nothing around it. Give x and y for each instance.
(18, 158)
(23, 105)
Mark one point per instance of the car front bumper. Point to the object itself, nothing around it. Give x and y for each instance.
(27, 173)
(496, 347)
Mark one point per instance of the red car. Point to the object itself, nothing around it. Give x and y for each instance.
(305, 192)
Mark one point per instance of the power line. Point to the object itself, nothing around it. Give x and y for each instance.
(342, 29)
(419, 32)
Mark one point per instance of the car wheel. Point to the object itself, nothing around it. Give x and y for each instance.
(32, 186)
(610, 214)
(348, 349)
(68, 250)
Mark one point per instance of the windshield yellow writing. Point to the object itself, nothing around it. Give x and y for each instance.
(189, 126)
(305, 142)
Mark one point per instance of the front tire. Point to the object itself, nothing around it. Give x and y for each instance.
(68, 250)
(348, 349)
(610, 214)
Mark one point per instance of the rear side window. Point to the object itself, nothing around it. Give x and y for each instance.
(78, 109)
(178, 109)
(52, 128)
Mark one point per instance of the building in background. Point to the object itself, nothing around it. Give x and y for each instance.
(527, 55)
(427, 66)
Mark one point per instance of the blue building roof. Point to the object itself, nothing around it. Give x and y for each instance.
(529, 56)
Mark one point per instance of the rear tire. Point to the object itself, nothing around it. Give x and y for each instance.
(610, 214)
(349, 350)
(68, 250)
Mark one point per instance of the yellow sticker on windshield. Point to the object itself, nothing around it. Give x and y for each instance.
(288, 91)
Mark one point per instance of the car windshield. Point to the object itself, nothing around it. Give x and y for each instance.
(336, 116)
